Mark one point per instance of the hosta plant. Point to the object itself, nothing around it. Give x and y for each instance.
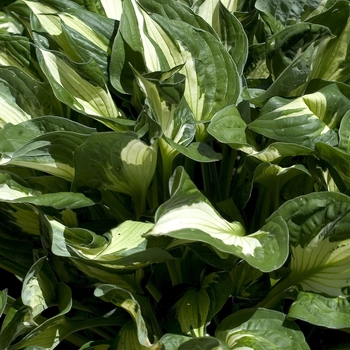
(174, 174)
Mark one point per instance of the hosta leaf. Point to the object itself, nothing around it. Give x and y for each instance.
(306, 120)
(192, 311)
(260, 329)
(113, 8)
(13, 324)
(38, 292)
(33, 97)
(189, 215)
(122, 247)
(227, 126)
(344, 133)
(72, 89)
(75, 31)
(320, 310)
(164, 44)
(278, 150)
(116, 161)
(15, 52)
(196, 307)
(3, 300)
(288, 11)
(286, 45)
(128, 339)
(328, 64)
(339, 160)
(125, 299)
(318, 228)
(173, 341)
(50, 333)
(204, 343)
(13, 192)
(13, 113)
(52, 153)
(168, 108)
(294, 77)
(13, 137)
(119, 242)
(228, 28)
(198, 151)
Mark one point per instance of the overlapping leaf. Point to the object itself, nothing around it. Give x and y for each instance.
(189, 215)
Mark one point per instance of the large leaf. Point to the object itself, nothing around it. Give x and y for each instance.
(43, 143)
(189, 215)
(14, 114)
(318, 229)
(33, 97)
(12, 192)
(260, 329)
(72, 89)
(121, 248)
(126, 164)
(227, 27)
(293, 78)
(162, 44)
(306, 120)
(328, 63)
(227, 126)
(320, 310)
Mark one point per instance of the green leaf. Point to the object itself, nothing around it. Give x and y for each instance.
(328, 64)
(198, 151)
(288, 11)
(208, 86)
(196, 308)
(318, 229)
(44, 143)
(125, 299)
(173, 341)
(286, 45)
(339, 160)
(227, 126)
(305, 120)
(72, 89)
(39, 289)
(125, 165)
(189, 215)
(227, 27)
(260, 329)
(14, 114)
(292, 79)
(33, 97)
(128, 339)
(204, 343)
(279, 150)
(13, 192)
(3, 301)
(344, 133)
(320, 310)
(15, 52)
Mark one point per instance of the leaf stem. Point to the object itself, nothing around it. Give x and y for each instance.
(175, 273)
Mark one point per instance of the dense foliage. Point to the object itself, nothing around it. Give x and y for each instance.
(175, 174)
